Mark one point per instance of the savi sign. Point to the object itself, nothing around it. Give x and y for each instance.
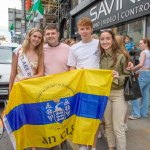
(105, 13)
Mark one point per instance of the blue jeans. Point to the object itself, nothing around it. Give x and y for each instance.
(140, 108)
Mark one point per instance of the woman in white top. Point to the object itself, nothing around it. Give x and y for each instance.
(144, 81)
(27, 61)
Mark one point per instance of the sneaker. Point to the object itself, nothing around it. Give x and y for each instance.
(99, 135)
(83, 148)
(133, 117)
(125, 127)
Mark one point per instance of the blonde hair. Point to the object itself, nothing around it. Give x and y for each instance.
(26, 42)
(85, 21)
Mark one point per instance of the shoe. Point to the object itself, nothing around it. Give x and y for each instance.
(125, 127)
(133, 117)
(99, 135)
(83, 148)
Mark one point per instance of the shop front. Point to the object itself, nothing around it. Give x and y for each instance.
(125, 17)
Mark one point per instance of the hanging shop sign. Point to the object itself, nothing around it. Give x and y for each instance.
(110, 12)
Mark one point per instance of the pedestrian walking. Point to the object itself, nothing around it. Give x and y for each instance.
(143, 69)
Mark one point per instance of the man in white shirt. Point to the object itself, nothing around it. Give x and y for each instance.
(85, 54)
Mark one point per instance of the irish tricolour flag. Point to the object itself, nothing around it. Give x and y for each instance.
(38, 9)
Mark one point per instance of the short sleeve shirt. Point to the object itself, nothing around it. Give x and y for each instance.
(85, 55)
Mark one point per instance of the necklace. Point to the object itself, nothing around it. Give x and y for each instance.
(55, 45)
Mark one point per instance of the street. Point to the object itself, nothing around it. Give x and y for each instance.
(138, 137)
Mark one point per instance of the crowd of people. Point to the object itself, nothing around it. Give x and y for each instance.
(34, 59)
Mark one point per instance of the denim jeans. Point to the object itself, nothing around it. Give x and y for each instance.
(140, 107)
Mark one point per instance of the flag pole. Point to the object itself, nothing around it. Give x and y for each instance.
(23, 21)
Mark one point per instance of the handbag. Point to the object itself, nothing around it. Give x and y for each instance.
(132, 89)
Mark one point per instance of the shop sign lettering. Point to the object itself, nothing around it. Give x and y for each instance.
(106, 13)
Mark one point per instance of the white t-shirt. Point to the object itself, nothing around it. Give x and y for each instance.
(84, 55)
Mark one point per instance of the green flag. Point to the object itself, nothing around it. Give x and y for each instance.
(12, 32)
(11, 27)
(38, 9)
(29, 17)
(29, 14)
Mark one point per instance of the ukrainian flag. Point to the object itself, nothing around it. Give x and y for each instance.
(43, 112)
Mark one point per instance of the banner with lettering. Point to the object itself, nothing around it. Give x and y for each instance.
(43, 112)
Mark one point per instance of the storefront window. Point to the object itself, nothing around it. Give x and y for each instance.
(148, 27)
(133, 29)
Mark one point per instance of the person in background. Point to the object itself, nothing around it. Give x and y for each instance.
(95, 36)
(70, 42)
(129, 45)
(121, 44)
(27, 61)
(116, 59)
(143, 69)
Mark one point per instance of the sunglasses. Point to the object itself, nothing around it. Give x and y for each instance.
(105, 30)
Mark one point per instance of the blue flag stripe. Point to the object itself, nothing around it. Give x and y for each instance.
(49, 112)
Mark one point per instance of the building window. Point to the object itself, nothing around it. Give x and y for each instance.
(134, 29)
(148, 27)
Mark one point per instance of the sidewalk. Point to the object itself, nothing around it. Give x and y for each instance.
(138, 135)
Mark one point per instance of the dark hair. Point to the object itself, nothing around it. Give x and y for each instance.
(115, 47)
(126, 36)
(146, 41)
(51, 27)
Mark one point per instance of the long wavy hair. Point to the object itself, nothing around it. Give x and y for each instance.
(115, 47)
(120, 40)
(39, 48)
